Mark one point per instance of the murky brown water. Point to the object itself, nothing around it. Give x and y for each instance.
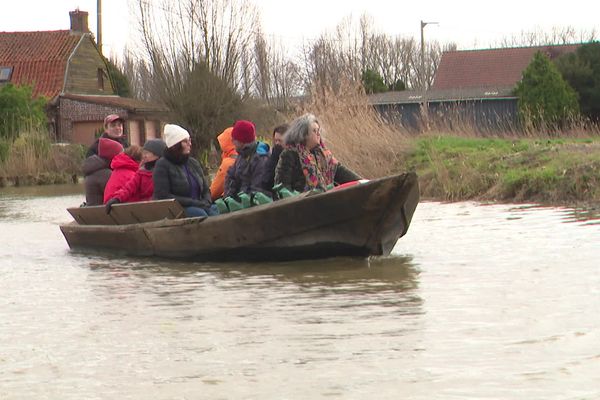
(478, 302)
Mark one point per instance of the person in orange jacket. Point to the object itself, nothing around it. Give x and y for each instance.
(228, 156)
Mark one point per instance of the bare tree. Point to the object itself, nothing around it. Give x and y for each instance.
(197, 57)
(276, 76)
(346, 54)
(556, 36)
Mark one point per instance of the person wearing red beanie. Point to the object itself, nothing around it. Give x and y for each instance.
(96, 170)
(250, 171)
(244, 132)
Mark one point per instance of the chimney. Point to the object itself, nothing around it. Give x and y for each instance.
(79, 21)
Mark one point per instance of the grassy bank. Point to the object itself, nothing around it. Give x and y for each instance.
(31, 159)
(558, 168)
(551, 171)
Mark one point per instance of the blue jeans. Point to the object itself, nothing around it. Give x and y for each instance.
(202, 212)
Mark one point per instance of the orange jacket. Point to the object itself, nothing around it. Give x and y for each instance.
(228, 156)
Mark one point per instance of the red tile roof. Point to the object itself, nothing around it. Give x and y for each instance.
(493, 68)
(38, 58)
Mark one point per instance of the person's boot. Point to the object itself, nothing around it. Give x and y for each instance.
(233, 204)
(260, 198)
(221, 206)
(245, 199)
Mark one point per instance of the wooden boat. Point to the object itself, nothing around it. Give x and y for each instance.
(362, 220)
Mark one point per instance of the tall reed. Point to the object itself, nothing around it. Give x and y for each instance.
(356, 133)
(31, 158)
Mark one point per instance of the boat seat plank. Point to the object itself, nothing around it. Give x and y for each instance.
(128, 213)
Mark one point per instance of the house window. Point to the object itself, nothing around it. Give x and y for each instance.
(5, 73)
(101, 75)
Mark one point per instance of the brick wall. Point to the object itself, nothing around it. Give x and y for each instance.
(71, 111)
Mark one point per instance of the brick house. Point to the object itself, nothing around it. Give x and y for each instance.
(66, 67)
(472, 86)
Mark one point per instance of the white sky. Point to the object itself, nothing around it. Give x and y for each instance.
(471, 24)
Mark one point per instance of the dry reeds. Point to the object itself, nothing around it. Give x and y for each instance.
(33, 159)
(356, 133)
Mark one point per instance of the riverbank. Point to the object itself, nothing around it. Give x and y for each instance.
(450, 168)
(545, 171)
(32, 160)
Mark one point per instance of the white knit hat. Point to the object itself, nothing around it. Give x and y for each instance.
(174, 134)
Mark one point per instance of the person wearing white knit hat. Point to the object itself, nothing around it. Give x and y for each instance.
(174, 134)
(179, 176)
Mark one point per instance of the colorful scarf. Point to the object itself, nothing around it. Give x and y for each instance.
(318, 166)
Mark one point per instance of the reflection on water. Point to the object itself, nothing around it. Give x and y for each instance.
(590, 214)
(393, 276)
(495, 301)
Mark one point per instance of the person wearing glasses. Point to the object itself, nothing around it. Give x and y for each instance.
(306, 164)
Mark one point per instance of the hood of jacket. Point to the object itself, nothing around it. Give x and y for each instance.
(226, 142)
(262, 149)
(122, 160)
(94, 163)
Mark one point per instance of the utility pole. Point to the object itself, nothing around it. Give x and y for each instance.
(99, 24)
(423, 24)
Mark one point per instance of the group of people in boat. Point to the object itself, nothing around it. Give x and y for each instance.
(298, 161)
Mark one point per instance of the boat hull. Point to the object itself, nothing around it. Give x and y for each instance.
(362, 220)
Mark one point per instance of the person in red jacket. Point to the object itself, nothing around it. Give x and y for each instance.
(140, 187)
(123, 167)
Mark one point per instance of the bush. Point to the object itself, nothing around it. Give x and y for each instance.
(373, 82)
(582, 70)
(545, 99)
(20, 111)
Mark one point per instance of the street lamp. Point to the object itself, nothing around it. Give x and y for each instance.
(423, 24)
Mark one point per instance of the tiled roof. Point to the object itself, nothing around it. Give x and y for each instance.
(38, 58)
(493, 68)
(132, 105)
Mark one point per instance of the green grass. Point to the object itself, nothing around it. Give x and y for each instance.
(540, 170)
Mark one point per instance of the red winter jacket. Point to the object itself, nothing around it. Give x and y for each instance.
(138, 188)
(124, 168)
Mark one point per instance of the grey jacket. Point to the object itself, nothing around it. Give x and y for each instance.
(96, 171)
(171, 182)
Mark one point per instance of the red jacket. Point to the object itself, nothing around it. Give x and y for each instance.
(138, 188)
(124, 168)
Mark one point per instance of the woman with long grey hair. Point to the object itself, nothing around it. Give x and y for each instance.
(306, 163)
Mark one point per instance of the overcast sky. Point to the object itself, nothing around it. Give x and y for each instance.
(470, 24)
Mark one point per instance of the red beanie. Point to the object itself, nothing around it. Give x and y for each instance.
(243, 131)
(108, 148)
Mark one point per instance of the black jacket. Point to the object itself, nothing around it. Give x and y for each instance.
(171, 182)
(250, 171)
(289, 172)
(272, 165)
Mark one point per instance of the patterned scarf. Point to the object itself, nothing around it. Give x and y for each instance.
(318, 166)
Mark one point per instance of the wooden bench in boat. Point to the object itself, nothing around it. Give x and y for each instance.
(128, 213)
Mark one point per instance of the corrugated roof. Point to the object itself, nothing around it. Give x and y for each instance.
(492, 68)
(38, 58)
(417, 96)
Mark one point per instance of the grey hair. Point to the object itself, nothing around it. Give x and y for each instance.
(298, 130)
